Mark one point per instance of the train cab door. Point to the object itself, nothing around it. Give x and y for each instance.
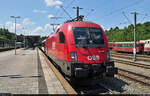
(62, 51)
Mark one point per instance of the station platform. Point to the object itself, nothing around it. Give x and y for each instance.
(27, 73)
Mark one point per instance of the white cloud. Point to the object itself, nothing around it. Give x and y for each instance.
(53, 2)
(50, 16)
(11, 26)
(26, 21)
(37, 31)
(9, 23)
(43, 31)
(48, 27)
(58, 7)
(39, 11)
(108, 29)
(19, 26)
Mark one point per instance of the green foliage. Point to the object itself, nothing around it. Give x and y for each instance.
(5, 34)
(127, 34)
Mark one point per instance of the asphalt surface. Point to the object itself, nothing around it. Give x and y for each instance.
(19, 74)
(27, 73)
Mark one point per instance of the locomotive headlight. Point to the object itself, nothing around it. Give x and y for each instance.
(73, 55)
(108, 55)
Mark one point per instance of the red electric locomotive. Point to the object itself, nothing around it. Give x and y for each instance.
(80, 49)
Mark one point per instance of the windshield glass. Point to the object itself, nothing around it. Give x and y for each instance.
(88, 37)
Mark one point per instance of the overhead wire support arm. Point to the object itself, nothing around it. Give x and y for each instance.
(56, 18)
(54, 28)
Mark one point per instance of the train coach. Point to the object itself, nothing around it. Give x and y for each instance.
(80, 50)
(146, 46)
(111, 45)
(128, 47)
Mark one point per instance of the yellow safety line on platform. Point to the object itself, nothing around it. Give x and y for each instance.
(63, 81)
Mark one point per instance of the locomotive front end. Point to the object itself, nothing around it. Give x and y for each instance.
(89, 54)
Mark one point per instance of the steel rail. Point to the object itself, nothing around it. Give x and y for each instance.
(144, 56)
(132, 78)
(132, 63)
(140, 75)
(147, 59)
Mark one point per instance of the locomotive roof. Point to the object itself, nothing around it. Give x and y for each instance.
(82, 23)
(76, 24)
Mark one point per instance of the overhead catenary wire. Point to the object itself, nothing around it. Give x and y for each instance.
(140, 19)
(126, 17)
(67, 6)
(130, 5)
(120, 9)
(66, 12)
(92, 10)
(145, 16)
(57, 12)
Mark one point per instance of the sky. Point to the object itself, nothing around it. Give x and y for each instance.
(36, 15)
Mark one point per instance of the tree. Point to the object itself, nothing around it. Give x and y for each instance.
(127, 34)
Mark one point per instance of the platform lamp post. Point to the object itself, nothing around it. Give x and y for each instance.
(15, 17)
(24, 37)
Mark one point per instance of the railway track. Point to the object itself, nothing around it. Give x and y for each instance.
(105, 87)
(130, 54)
(132, 63)
(101, 87)
(97, 88)
(144, 80)
(146, 59)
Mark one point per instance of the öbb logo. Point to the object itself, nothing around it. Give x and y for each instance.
(94, 57)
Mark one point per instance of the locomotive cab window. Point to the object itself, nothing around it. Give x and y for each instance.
(88, 37)
(62, 37)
